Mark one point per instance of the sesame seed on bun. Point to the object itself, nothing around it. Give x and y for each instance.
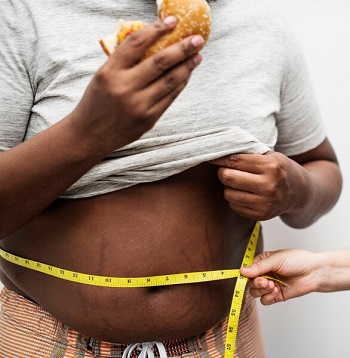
(194, 18)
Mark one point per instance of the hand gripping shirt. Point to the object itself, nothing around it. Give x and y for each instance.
(250, 94)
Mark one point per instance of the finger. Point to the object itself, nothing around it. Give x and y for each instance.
(258, 282)
(135, 45)
(222, 162)
(262, 256)
(270, 298)
(260, 292)
(235, 193)
(245, 211)
(260, 267)
(161, 104)
(247, 204)
(163, 61)
(251, 205)
(252, 163)
(173, 82)
(240, 180)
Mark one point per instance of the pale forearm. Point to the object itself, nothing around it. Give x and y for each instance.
(302, 272)
(334, 271)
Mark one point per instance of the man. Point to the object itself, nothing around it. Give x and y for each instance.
(103, 172)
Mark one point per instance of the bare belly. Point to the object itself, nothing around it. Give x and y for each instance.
(180, 224)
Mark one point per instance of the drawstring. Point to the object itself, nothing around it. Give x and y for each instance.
(145, 349)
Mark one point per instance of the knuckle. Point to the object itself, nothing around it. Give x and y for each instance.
(137, 39)
(105, 80)
(170, 80)
(272, 188)
(263, 256)
(275, 166)
(120, 92)
(159, 27)
(233, 160)
(102, 76)
(187, 48)
(161, 61)
(172, 86)
(225, 176)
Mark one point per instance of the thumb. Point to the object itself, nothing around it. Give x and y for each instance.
(263, 263)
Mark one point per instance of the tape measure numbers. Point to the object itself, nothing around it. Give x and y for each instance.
(121, 282)
(162, 280)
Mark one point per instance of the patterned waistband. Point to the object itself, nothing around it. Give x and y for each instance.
(173, 348)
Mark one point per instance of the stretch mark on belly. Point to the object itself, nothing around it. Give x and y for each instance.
(162, 280)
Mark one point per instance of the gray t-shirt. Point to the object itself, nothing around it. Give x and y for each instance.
(250, 94)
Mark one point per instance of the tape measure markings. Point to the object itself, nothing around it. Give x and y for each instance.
(122, 282)
(238, 295)
(162, 280)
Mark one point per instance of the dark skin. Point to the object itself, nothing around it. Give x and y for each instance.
(125, 98)
(188, 222)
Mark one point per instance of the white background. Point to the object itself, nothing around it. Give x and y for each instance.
(317, 325)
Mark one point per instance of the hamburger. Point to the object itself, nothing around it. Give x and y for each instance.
(194, 18)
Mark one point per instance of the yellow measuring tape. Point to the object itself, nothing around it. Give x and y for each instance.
(163, 280)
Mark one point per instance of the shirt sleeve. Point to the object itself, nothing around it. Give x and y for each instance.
(16, 94)
(299, 120)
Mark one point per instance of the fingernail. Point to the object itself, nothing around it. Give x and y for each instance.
(170, 20)
(197, 41)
